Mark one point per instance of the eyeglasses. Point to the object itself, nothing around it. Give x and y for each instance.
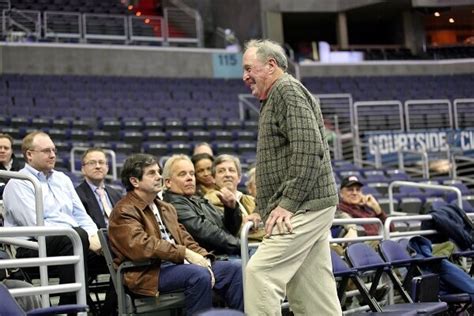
(93, 163)
(46, 151)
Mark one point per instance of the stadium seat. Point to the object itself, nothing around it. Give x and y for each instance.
(398, 256)
(364, 259)
(8, 306)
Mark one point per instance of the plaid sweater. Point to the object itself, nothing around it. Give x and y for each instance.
(293, 161)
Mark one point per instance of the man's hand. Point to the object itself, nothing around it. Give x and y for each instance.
(195, 258)
(227, 197)
(280, 217)
(371, 202)
(255, 218)
(94, 244)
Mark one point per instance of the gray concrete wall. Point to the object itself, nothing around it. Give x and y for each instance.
(389, 68)
(48, 59)
(44, 59)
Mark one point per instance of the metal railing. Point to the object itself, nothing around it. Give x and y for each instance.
(425, 173)
(62, 25)
(43, 262)
(461, 107)
(104, 26)
(147, 28)
(25, 21)
(462, 168)
(111, 27)
(422, 186)
(425, 114)
(41, 232)
(373, 116)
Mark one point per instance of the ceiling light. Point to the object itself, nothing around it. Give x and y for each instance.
(451, 20)
(437, 14)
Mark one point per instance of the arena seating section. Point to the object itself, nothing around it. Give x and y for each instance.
(163, 116)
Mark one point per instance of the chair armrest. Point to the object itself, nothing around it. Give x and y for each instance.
(131, 264)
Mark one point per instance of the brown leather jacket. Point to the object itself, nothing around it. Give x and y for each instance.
(135, 235)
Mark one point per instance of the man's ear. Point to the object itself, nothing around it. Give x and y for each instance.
(273, 64)
(167, 183)
(134, 181)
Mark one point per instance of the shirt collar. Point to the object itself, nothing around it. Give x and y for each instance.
(238, 195)
(8, 165)
(38, 174)
(93, 186)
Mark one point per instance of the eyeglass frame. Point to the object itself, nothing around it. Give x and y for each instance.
(93, 163)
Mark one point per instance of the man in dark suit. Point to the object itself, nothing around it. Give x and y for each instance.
(99, 200)
(97, 197)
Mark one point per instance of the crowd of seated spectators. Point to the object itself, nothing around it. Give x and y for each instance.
(211, 217)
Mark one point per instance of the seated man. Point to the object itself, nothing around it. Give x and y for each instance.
(227, 173)
(142, 227)
(97, 197)
(62, 207)
(8, 161)
(357, 205)
(211, 228)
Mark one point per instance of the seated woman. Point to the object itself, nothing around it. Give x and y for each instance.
(204, 180)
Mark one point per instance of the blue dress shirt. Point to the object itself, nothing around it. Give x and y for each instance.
(62, 206)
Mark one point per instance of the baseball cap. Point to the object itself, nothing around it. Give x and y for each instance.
(350, 180)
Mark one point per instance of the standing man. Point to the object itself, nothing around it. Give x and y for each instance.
(62, 207)
(97, 197)
(144, 228)
(296, 192)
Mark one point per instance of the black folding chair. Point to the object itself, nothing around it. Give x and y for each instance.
(366, 261)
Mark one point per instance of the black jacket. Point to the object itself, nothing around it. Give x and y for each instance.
(92, 206)
(209, 227)
(452, 223)
(17, 165)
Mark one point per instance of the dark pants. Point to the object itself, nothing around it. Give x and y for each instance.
(196, 282)
(93, 265)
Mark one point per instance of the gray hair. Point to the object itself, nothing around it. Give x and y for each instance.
(222, 158)
(166, 174)
(267, 49)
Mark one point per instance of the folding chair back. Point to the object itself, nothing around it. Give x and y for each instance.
(393, 252)
(9, 306)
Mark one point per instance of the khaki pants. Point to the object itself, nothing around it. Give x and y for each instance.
(297, 265)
